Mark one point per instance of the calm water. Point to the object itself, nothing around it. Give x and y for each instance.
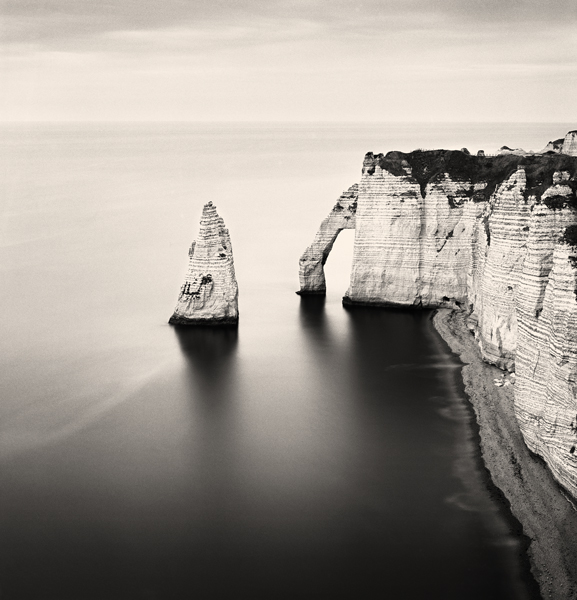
(316, 452)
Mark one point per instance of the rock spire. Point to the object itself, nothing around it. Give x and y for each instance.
(209, 295)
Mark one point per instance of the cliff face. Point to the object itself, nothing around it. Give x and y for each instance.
(412, 244)
(546, 365)
(566, 145)
(444, 228)
(570, 144)
(504, 227)
(209, 295)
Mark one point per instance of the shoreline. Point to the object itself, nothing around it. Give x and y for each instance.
(547, 515)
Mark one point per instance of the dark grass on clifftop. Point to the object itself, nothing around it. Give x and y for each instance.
(570, 235)
(429, 165)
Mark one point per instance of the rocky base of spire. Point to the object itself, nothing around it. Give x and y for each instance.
(210, 322)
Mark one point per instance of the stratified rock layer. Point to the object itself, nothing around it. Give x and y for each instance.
(209, 295)
(570, 144)
(413, 239)
(553, 146)
(494, 234)
(505, 224)
(545, 395)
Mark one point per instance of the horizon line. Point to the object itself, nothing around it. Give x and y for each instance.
(267, 121)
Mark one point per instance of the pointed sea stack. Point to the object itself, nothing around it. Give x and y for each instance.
(209, 295)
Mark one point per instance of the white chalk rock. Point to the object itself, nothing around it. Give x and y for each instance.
(553, 146)
(413, 246)
(498, 235)
(570, 143)
(545, 398)
(209, 295)
(506, 219)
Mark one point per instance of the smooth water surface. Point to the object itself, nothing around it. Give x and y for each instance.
(315, 452)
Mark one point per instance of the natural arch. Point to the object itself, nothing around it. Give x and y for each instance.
(312, 262)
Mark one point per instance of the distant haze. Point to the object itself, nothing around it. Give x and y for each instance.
(288, 60)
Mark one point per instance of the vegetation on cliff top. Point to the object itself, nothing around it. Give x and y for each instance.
(429, 165)
(570, 235)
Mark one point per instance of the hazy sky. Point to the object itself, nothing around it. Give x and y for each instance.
(297, 60)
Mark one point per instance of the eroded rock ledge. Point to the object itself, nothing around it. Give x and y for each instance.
(209, 295)
(494, 235)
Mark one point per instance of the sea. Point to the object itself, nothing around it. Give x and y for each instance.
(314, 452)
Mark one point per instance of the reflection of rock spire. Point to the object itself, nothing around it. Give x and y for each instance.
(209, 295)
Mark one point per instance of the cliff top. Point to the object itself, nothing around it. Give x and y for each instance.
(429, 165)
(570, 235)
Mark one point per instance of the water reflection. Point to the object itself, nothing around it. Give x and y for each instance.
(210, 353)
(211, 375)
(213, 461)
(312, 310)
(276, 463)
(400, 373)
(313, 320)
(392, 335)
(208, 347)
(327, 352)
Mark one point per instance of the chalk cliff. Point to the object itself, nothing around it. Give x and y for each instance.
(209, 295)
(553, 146)
(570, 144)
(409, 248)
(566, 145)
(495, 236)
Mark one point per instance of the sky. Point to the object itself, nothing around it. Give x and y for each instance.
(288, 60)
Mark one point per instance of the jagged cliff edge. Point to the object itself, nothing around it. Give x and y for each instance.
(493, 235)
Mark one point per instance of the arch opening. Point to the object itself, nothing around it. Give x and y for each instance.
(338, 266)
(312, 262)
